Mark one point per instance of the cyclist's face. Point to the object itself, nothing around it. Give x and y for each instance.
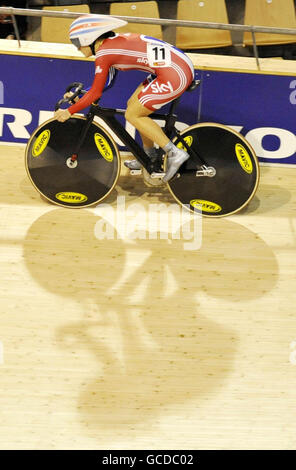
(86, 51)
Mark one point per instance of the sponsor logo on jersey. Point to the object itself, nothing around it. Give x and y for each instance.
(159, 64)
(142, 60)
(41, 143)
(99, 69)
(207, 206)
(103, 147)
(244, 158)
(71, 197)
(163, 88)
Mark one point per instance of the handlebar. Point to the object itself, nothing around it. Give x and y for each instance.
(78, 91)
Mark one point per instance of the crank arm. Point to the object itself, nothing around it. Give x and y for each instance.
(206, 171)
(157, 175)
(153, 175)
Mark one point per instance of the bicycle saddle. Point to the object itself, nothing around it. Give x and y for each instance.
(194, 84)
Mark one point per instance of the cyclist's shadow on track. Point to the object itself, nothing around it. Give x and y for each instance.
(155, 348)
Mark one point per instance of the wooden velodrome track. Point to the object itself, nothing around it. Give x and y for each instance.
(140, 343)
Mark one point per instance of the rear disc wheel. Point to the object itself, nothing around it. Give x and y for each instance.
(236, 173)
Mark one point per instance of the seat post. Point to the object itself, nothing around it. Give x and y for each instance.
(171, 118)
(173, 105)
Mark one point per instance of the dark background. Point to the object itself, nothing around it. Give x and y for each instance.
(167, 9)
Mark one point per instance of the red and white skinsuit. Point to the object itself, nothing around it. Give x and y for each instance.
(173, 69)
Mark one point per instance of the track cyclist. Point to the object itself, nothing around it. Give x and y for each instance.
(170, 73)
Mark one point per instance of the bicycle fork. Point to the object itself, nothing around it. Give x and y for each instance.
(72, 161)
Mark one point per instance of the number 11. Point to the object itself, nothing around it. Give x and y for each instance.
(161, 49)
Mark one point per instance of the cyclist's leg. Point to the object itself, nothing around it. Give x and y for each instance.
(148, 143)
(138, 115)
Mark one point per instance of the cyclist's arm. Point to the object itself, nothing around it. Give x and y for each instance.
(109, 81)
(95, 91)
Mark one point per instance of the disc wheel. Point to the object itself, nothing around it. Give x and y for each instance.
(236, 171)
(83, 183)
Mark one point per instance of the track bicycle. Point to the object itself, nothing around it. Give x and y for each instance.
(77, 163)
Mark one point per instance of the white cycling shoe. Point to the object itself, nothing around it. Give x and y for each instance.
(173, 164)
(133, 164)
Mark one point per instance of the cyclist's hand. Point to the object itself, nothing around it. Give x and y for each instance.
(62, 115)
(69, 94)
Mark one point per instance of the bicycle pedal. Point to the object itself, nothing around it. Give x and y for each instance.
(135, 172)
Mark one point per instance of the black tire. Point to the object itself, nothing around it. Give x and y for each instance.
(47, 162)
(236, 165)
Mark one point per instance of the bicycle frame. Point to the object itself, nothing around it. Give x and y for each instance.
(108, 116)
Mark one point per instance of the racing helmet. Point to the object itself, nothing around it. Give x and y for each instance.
(87, 28)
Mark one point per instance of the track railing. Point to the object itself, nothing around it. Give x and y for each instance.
(158, 21)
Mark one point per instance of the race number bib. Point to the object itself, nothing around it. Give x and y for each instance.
(158, 55)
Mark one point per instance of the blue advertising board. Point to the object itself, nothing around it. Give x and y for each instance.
(260, 106)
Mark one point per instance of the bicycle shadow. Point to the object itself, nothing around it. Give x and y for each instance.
(155, 351)
(268, 198)
(135, 187)
(132, 186)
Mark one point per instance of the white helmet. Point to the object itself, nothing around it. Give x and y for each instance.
(87, 28)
